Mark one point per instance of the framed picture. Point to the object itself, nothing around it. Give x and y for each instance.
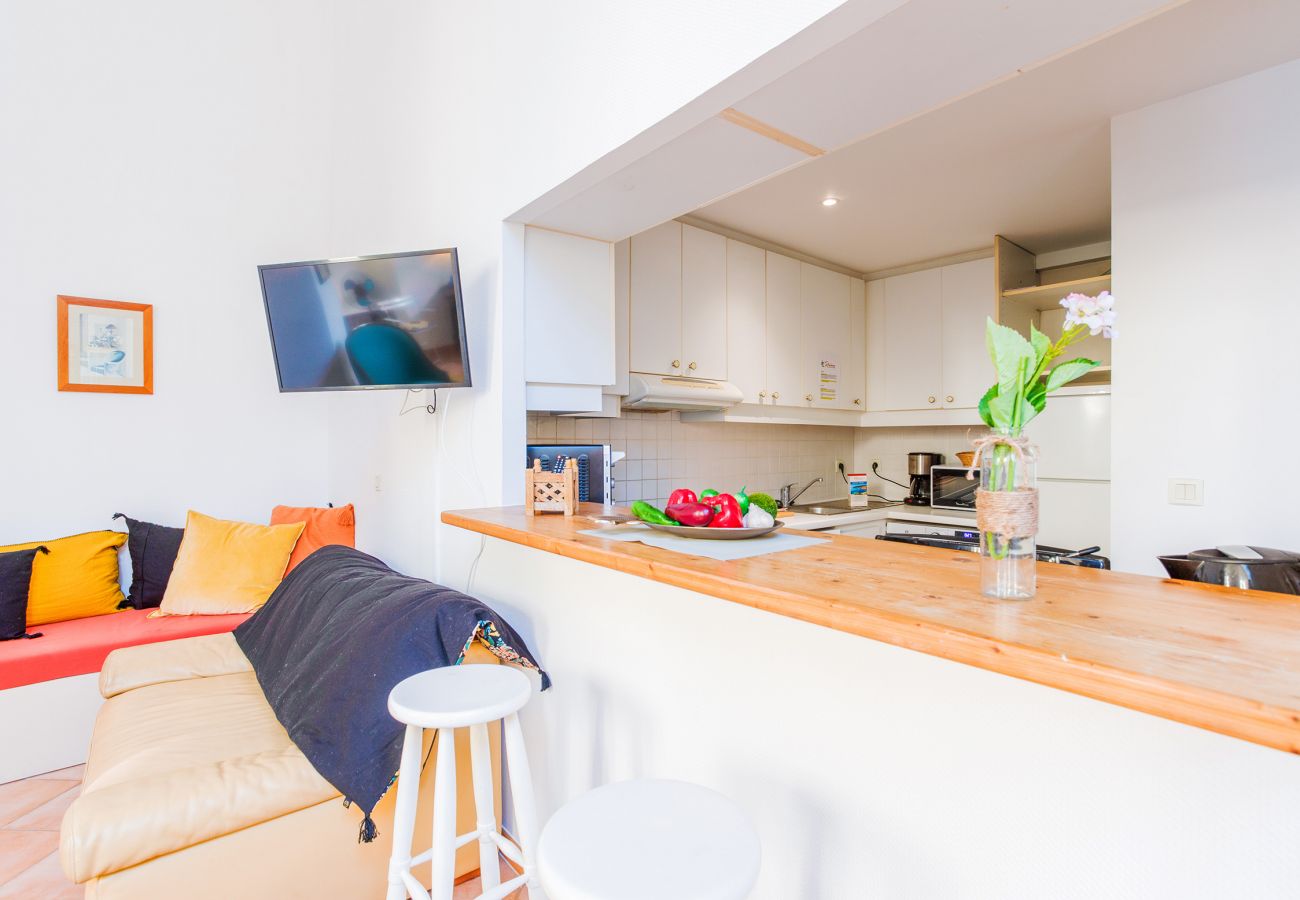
(105, 346)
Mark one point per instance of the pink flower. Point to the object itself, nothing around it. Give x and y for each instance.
(1097, 313)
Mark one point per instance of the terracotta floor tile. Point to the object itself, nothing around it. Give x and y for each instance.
(49, 815)
(72, 773)
(43, 881)
(17, 798)
(20, 850)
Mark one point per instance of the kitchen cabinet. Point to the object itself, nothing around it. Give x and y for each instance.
(855, 379)
(747, 320)
(704, 304)
(655, 319)
(825, 325)
(913, 340)
(969, 299)
(784, 326)
(569, 303)
(678, 292)
(933, 342)
(864, 529)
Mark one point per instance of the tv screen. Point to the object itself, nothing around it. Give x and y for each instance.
(393, 321)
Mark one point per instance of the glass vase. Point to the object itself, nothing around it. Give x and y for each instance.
(1008, 560)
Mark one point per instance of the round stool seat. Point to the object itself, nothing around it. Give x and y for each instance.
(649, 840)
(458, 696)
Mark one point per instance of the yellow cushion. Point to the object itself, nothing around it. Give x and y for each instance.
(226, 567)
(76, 579)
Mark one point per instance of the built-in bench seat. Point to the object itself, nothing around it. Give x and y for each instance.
(48, 685)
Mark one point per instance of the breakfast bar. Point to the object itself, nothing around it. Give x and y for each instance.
(887, 725)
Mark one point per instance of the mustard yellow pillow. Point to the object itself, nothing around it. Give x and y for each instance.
(226, 567)
(76, 579)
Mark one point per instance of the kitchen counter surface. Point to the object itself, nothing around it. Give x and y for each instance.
(1212, 657)
(924, 514)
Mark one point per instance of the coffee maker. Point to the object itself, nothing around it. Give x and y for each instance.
(918, 470)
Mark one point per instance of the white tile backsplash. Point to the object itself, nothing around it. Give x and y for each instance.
(665, 453)
(890, 447)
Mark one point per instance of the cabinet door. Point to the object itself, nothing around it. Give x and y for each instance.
(569, 302)
(656, 288)
(746, 320)
(824, 298)
(783, 331)
(855, 379)
(913, 307)
(969, 298)
(876, 344)
(864, 529)
(704, 304)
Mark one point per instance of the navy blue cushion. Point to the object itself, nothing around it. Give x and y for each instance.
(15, 583)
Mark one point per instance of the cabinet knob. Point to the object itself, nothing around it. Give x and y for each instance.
(857, 402)
(677, 363)
(762, 395)
(808, 397)
(776, 395)
(948, 399)
(691, 367)
(930, 398)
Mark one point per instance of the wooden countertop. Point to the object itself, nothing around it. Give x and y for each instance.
(1217, 658)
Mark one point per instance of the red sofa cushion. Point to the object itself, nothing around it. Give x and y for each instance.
(79, 646)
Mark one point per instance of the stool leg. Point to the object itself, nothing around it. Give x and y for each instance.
(481, 765)
(408, 790)
(521, 794)
(444, 817)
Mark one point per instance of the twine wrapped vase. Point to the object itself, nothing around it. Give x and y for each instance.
(1006, 508)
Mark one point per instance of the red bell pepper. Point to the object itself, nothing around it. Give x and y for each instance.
(683, 495)
(726, 512)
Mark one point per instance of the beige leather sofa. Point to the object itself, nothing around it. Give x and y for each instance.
(193, 789)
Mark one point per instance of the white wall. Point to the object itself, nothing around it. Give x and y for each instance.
(158, 152)
(1206, 222)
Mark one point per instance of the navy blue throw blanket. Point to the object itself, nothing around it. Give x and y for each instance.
(338, 634)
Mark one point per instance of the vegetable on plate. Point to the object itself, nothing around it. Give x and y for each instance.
(765, 502)
(647, 513)
(726, 512)
(695, 515)
(682, 495)
(757, 517)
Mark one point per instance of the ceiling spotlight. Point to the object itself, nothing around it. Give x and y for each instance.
(830, 201)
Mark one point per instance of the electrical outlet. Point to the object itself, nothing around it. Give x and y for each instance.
(839, 464)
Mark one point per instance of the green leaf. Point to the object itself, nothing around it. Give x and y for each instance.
(1011, 355)
(985, 414)
(1036, 396)
(1040, 342)
(1066, 372)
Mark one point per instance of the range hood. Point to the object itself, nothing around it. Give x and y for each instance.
(676, 392)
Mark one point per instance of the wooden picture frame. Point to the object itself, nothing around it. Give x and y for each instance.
(105, 352)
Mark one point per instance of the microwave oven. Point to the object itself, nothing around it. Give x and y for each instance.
(951, 489)
(595, 467)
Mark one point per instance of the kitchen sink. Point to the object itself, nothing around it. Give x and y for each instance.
(836, 507)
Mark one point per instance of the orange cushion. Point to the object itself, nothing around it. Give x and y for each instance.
(78, 646)
(77, 578)
(226, 567)
(336, 525)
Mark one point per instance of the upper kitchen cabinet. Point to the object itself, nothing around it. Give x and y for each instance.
(656, 298)
(784, 326)
(933, 342)
(747, 320)
(969, 300)
(825, 320)
(704, 303)
(679, 302)
(569, 305)
(855, 379)
(913, 371)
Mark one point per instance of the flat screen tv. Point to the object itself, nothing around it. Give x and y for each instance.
(366, 323)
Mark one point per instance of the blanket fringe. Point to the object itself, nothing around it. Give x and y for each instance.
(368, 831)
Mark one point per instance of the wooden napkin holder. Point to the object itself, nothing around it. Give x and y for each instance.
(551, 491)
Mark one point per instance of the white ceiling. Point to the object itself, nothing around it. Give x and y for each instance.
(1028, 158)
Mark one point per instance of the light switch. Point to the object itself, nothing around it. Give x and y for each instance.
(1187, 491)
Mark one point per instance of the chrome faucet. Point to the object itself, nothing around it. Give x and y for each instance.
(787, 498)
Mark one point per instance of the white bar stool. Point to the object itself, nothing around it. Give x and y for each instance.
(649, 840)
(458, 697)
